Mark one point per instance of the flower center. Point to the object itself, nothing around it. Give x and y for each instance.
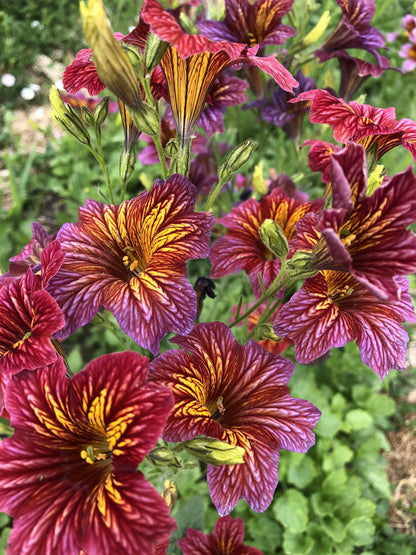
(132, 262)
(218, 410)
(92, 454)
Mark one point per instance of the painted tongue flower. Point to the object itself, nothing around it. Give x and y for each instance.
(366, 236)
(131, 259)
(253, 23)
(69, 473)
(226, 539)
(374, 128)
(30, 316)
(333, 308)
(237, 394)
(242, 247)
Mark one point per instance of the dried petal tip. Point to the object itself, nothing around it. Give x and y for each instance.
(213, 451)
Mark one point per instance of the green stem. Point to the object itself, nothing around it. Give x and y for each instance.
(158, 144)
(99, 157)
(102, 320)
(213, 194)
(271, 291)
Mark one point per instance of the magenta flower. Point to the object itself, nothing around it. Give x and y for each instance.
(237, 394)
(333, 308)
(69, 473)
(226, 539)
(361, 123)
(165, 27)
(252, 23)
(30, 317)
(131, 259)
(319, 157)
(242, 248)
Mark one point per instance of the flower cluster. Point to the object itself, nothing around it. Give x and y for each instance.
(316, 272)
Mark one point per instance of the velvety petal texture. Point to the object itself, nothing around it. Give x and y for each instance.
(237, 394)
(69, 474)
(131, 259)
(226, 539)
(242, 249)
(332, 309)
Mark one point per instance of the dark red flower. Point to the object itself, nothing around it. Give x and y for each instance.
(237, 394)
(226, 538)
(69, 473)
(333, 308)
(242, 248)
(131, 259)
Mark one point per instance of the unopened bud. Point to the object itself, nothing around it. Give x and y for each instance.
(258, 181)
(274, 238)
(265, 331)
(87, 115)
(147, 120)
(301, 265)
(213, 451)
(172, 148)
(112, 63)
(236, 159)
(170, 493)
(127, 162)
(318, 31)
(162, 456)
(155, 48)
(101, 111)
(67, 118)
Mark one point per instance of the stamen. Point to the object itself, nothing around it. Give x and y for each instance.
(219, 411)
(131, 262)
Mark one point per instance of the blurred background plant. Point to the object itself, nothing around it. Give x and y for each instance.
(335, 499)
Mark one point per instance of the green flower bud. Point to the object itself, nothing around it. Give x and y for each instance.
(375, 179)
(112, 62)
(101, 111)
(87, 115)
(127, 162)
(155, 48)
(274, 238)
(318, 31)
(236, 159)
(67, 118)
(170, 493)
(162, 456)
(265, 331)
(301, 266)
(147, 120)
(213, 451)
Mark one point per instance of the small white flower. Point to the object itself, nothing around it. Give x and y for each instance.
(27, 94)
(8, 80)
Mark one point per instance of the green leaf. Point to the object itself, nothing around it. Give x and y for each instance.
(334, 528)
(320, 506)
(303, 473)
(358, 419)
(363, 507)
(266, 533)
(291, 509)
(334, 481)
(338, 403)
(360, 530)
(190, 514)
(328, 425)
(339, 456)
(293, 544)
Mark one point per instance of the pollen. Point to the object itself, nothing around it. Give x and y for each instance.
(132, 262)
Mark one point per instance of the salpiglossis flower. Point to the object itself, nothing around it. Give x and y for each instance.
(333, 308)
(366, 236)
(30, 316)
(131, 259)
(237, 394)
(226, 538)
(69, 473)
(242, 248)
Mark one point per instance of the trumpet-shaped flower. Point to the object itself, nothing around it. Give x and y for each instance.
(237, 394)
(366, 236)
(131, 259)
(226, 539)
(242, 248)
(251, 23)
(69, 473)
(333, 308)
